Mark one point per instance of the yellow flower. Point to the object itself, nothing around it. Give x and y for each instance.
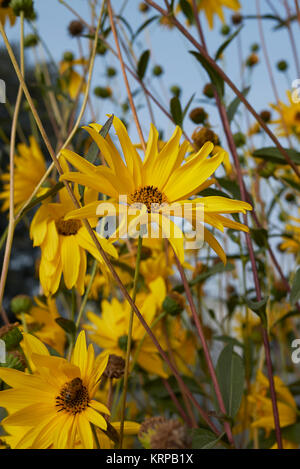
(289, 117)
(71, 81)
(215, 7)
(292, 243)
(41, 322)
(56, 401)
(30, 167)
(160, 180)
(6, 13)
(256, 409)
(63, 245)
(110, 330)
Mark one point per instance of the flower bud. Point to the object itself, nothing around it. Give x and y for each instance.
(76, 28)
(157, 70)
(143, 7)
(239, 139)
(23, 5)
(31, 40)
(101, 48)
(203, 135)
(15, 360)
(282, 65)
(265, 115)
(111, 72)
(173, 303)
(252, 60)
(225, 30)
(198, 115)
(20, 304)
(68, 56)
(208, 90)
(102, 92)
(11, 335)
(236, 19)
(175, 90)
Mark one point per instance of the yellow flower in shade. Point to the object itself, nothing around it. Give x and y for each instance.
(288, 121)
(6, 13)
(71, 81)
(30, 167)
(215, 7)
(292, 243)
(256, 409)
(110, 330)
(56, 402)
(161, 179)
(63, 245)
(41, 322)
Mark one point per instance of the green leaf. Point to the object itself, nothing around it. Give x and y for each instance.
(216, 269)
(215, 78)
(274, 155)
(176, 110)
(292, 433)
(231, 374)
(204, 439)
(187, 10)
(143, 26)
(260, 236)
(67, 325)
(93, 149)
(226, 43)
(259, 308)
(295, 291)
(142, 64)
(233, 106)
(187, 106)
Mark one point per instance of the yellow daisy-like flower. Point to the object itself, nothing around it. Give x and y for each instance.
(110, 330)
(63, 245)
(30, 167)
(6, 13)
(71, 81)
(215, 7)
(289, 117)
(258, 408)
(56, 403)
(162, 180)
(41, 322)
(292, 243)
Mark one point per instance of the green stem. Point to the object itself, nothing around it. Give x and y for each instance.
(126, 372)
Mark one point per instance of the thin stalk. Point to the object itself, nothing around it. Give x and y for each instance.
(11, 223)
(129, 338)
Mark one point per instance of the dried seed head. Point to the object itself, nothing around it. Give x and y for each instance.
(170, 435)
(115, 367)
(75, 28)
(202, 135)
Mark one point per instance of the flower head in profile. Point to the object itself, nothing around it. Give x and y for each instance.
(55, 405)
(288, 122)
(71, 81)
(215, 7)
(160, 183)
(30, 167)
(63, 245)
(6, 13)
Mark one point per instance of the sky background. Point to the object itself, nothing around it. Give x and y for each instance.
(170, 50)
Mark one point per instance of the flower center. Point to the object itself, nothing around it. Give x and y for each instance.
(67, 227)
(73, 397)
(149, 196)
(297, 116)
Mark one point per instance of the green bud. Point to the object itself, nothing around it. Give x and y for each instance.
(11, 335)
(20, 304)
(173, 304)
(282, 65)
(255, 47)
(111, 72)
(157, 70)
(31, 40)
(225, 30)
(23, 5)
(268, 170)
(239, 139)
(15, 360)
(68, 56)
(101, 48)
(102, 92)
(175, 90)
(125, 107)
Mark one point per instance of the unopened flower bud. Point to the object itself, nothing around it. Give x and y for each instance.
(208, 90)
(76, 28)
(175, 90)
(20, 304)
(225, 30)
(157, 70)
(252, 60)
(23, 5)
(143, 7)
(31, 40)
(11, 335)
(236, 19)
(68, 56)
(102, 92)
(239, 139)
(282, 65)
(265, 115)
(173, 303)
(198, 115)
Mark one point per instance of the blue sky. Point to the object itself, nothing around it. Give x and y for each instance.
(170, 50)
